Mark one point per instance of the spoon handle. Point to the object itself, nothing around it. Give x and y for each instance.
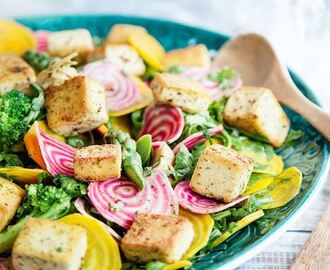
(316, 252)
(318, 117)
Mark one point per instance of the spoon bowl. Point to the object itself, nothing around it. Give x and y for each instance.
(255, 59)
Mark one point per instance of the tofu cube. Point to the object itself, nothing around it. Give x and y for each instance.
(120, 33)
(157, 237)
(221, 173)
(163, 157)
(124, 56)
(15, 73)
(97, 162)
(49, 245)
(182, 92)
(256, 110)
(11, 196)
(192, 56)
(62, 43)
(76, 106)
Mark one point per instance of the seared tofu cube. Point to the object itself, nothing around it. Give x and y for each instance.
(97, 162)
(11, 196)
(256, 110)
(124, 56)
(157, 237)
(192, 56)
(221, 173)
(62, 43)
(163, 157)
(120, 33)
(182, 92)
(49, 245)
(15, 73)
(76, 106)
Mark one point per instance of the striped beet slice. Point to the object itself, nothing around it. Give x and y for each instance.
(42, 40)
(119, 200)
(121, 90)
(3, 264)
(57, 156)
(163, 122)
(197, 138)
(200, 204)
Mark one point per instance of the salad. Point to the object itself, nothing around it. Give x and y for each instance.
(115, 154)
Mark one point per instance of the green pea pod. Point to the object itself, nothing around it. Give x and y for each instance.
(133, 169)
(144, 148)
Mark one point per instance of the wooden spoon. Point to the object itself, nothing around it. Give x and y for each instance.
(316, 253)
(256, 60)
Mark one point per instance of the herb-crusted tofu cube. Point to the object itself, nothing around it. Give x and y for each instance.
(257, 111)
(11, 196)
(76, 106)
(124, 56)
(62, 43)
(192, 56)
(182, 92)
(120, 33)
(15, 73)
(97, 162)
(221, 173)
(157, 237)
(49, 245)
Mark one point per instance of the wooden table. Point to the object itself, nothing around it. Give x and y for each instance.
(281, 253)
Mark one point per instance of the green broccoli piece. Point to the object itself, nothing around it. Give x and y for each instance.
(17, 113)
(39, 61)
(44, 201)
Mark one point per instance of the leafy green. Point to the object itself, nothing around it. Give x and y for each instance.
(175, 70)
(185, 162)
(216, 110)
(77, 141)
(17, 113)
(149, 74)
(155, 265)
(226, 78)
(38, 60)
(293, 136)
(42, 200)
(7, 160)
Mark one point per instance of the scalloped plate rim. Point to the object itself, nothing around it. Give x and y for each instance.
(318, 181)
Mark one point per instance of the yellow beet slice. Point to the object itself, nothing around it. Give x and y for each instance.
(202, 225)
(102, 250)
(258, 182)
(22, 175)
(284, 188)
(15, 38)
(146, 97)
(239, 225)
(149, 49)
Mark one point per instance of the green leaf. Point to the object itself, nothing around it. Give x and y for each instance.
(144, 148)
(226, 78)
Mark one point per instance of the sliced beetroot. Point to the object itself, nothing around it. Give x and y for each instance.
(197, 138)
(121, 90)
(58, 156)
(200, 204)
(42, 40)
(80, 205)
(163, 122)
(119, 200)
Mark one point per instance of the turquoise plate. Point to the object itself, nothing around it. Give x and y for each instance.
(310, 154)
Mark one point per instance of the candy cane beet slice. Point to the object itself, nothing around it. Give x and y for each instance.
(164, 122)
(121, 90)
(197, 138)
(200, 204)
(57, 156)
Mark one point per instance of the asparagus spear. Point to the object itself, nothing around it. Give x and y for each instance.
(39, 61)
(132, 162)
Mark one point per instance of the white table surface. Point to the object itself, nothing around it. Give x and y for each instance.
(299, 30)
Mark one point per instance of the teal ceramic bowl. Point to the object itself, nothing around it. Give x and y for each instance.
(310, 154)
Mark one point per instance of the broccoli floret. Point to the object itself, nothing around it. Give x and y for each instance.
(44, 201)
(17, 113)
